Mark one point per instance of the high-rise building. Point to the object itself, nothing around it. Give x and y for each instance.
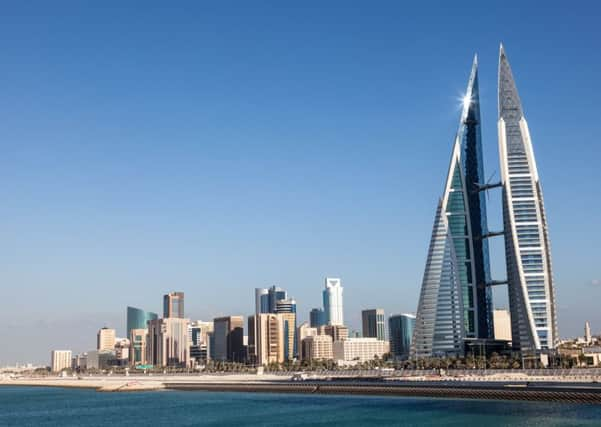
(303, 331)
(275, 294)
(587, 333)
(198, 337)
(173, 305)
(229, 339)
(122, 351)
(287, 308)
(269, 338)
(373, 323)
(138, 319)
(105, 339)
(400, 330)
(317, 317)
(527, 247)
(137, 353)
(332, 302)
(167, 342)
(289, 325)
(455, 301)
(337, 332)
(266, 300)
(60, 359)
(252, 338)
(287, 305)
(502, 322)
(355, 350)
(261, 300)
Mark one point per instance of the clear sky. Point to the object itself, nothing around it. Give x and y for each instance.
(213, 149)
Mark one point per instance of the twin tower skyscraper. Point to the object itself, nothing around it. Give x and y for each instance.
(455, 302)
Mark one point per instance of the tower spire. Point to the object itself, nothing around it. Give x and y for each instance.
(527, 246)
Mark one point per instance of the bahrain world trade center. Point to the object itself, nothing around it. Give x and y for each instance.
(455, 303)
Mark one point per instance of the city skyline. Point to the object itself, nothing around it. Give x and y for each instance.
(215, 165)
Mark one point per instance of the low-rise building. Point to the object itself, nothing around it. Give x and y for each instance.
(317, 347)
(79, 362)
(359, 349)
(60, 359)
(100, 360)
(592, 356)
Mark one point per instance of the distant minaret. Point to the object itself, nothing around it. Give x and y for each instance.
(587, 332)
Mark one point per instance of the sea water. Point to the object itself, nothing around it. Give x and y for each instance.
(42, 406)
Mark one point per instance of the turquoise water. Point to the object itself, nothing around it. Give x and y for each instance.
(25, 406)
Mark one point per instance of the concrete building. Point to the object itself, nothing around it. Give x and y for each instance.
(502, 324)
(167, 342)
(400, 330)
(79, 361)
(270, 338)
(122, 349)
(100, 359)
(359, 349)
(60, 359)
(287, 310)
(587, 333)
(302, 332)
(251, 350)
(229, 338)
(137, 350)
(317, 347)
(332, 302)
(592, 356)
(198, 337)
(374, 325)
(173, 305)
(337, 332)
(105, 339)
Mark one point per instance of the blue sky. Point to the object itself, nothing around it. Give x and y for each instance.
(212, 149)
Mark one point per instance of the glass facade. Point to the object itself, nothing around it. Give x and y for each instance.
(261, 300)
(400, 330)
(374, 325)
(527, 247)
(317, 318)
(138, 318)
(275, 294)
(479, 312)
(455, 302)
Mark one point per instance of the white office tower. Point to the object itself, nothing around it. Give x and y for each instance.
(261, 300)
(527, 247)
(587, 332)
(332, 302)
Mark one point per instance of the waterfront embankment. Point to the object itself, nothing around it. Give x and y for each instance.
(505, 388)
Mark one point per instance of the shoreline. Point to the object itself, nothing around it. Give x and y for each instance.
(564, 392)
